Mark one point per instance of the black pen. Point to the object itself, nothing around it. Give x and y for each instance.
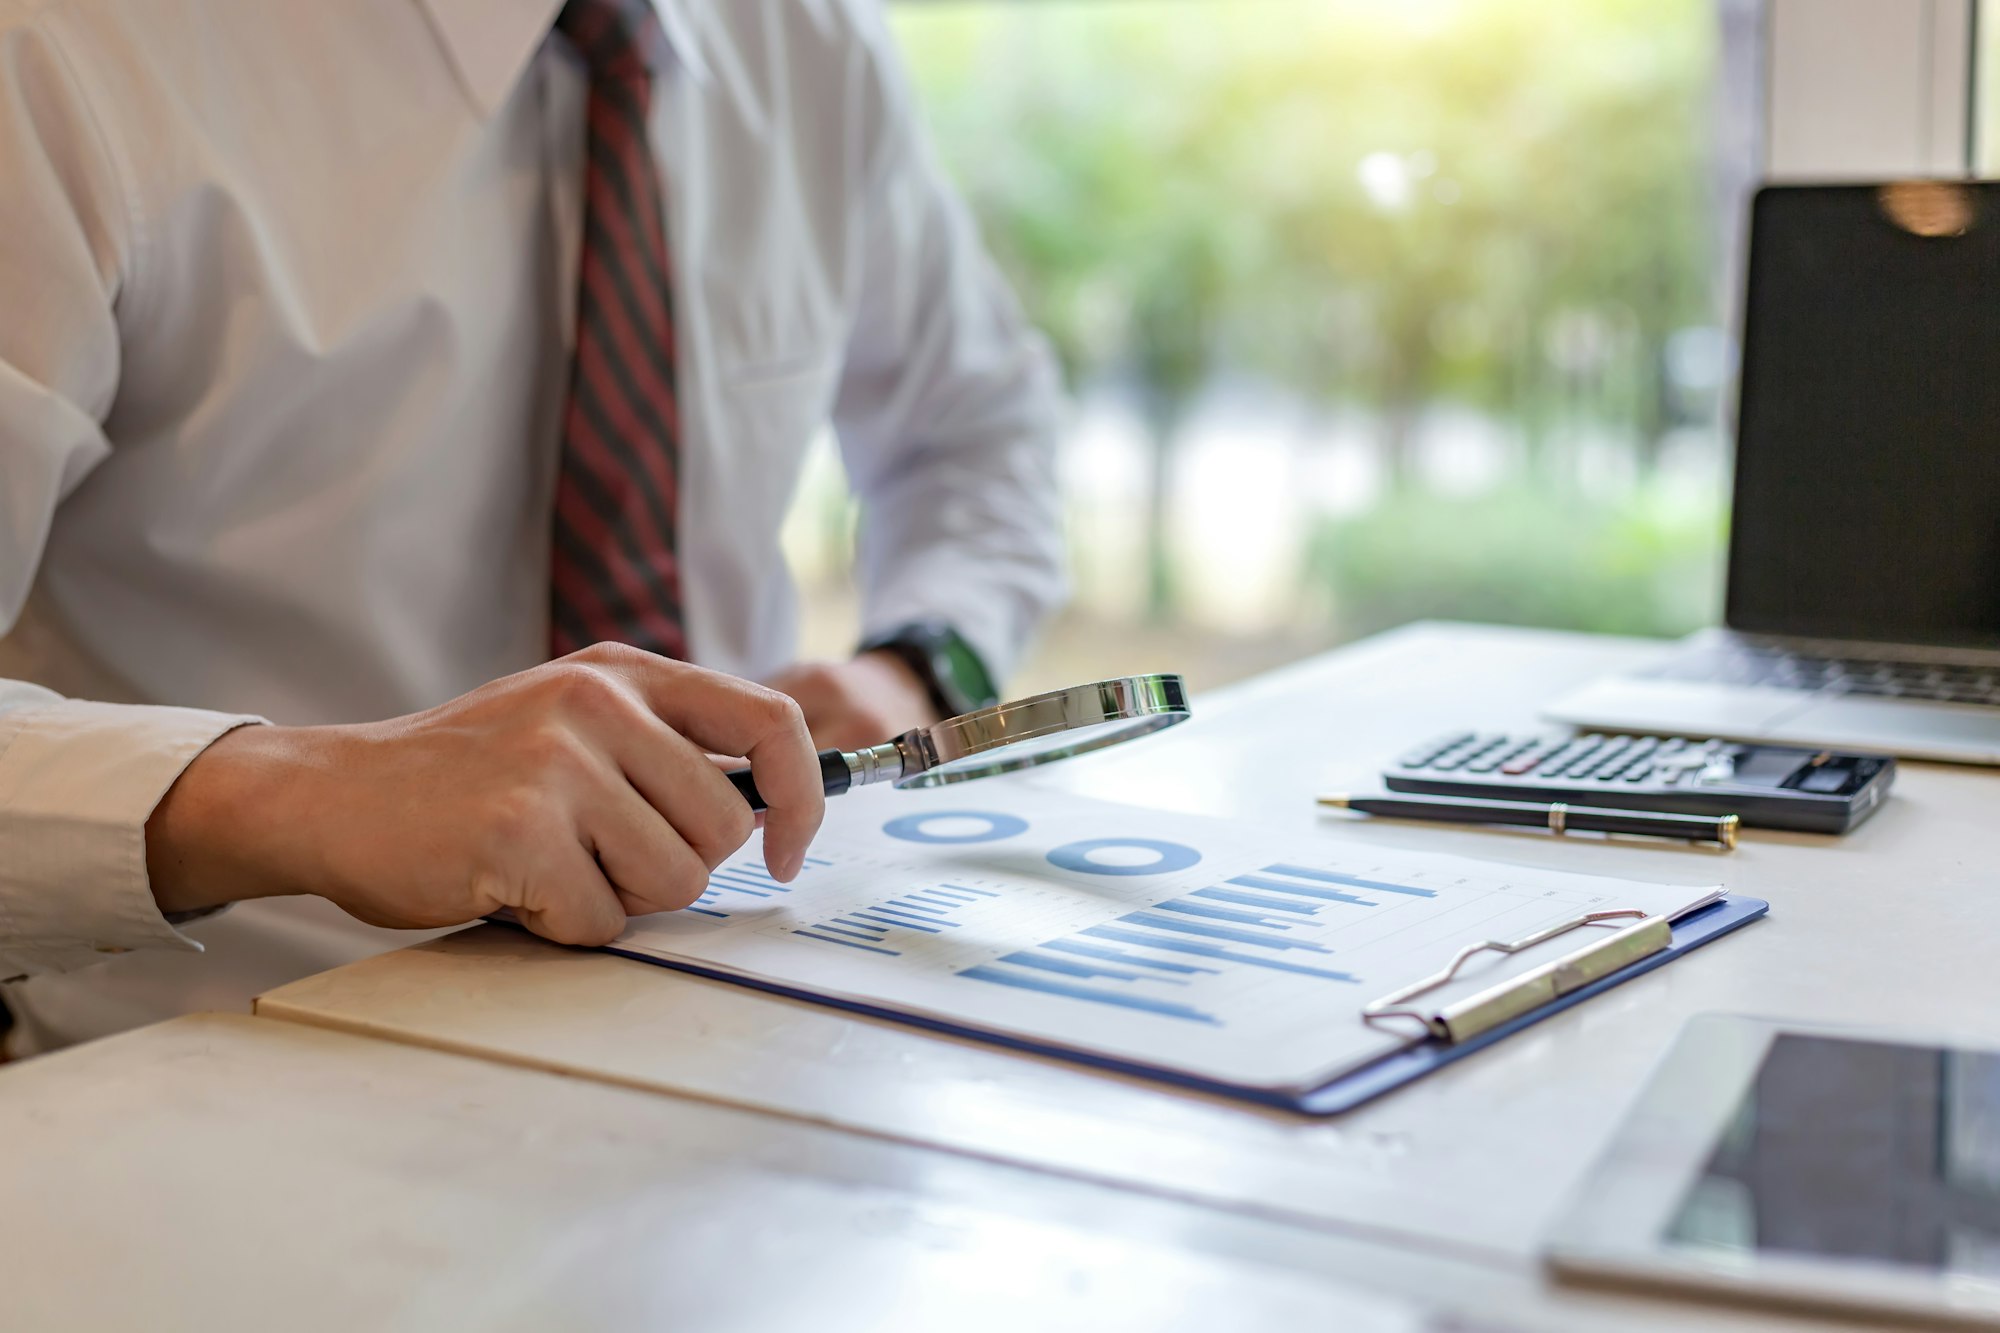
(1558, 818)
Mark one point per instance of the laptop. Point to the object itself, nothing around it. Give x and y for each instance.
(1863, 601)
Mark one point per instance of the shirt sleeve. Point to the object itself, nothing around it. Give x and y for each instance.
(78, 780)
(950, 404)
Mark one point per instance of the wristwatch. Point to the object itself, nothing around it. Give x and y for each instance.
(951, 671)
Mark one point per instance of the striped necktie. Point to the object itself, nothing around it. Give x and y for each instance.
(614, 573)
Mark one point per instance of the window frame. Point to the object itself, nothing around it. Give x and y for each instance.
(1870, 89)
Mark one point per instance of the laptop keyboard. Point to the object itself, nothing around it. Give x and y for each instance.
(1810, 673)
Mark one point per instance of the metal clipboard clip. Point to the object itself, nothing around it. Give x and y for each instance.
(1484, 1010)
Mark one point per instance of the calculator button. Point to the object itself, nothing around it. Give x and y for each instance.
(1481, 748)
(1640, 773)
(1431, 751)
(1607, 755)
(1577, 757)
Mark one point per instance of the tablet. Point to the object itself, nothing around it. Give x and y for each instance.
(1812, 1168)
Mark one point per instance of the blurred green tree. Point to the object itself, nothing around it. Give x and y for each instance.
(1499, 203)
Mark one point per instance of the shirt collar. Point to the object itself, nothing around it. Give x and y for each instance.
(491, 41)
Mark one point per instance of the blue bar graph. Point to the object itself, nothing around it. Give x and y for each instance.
(1152, 962)
(747, 877)
(1186, 908)
(875, 925)
(738, 886)
(833, 928)
(906, 924)
(1072, 991)
(1211, 951)
(830, 939)
(1120, 956)
(1351, 881)
(1064, 967)
(1256, 900)
(932, 921)
(1302, 890)
(1159, 921)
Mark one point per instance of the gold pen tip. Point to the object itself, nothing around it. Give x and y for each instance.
(1726, 833)
(1336, 801)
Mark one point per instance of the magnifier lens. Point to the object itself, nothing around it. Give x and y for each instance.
(1029, 751)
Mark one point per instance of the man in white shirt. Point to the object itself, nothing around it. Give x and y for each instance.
(349, 362)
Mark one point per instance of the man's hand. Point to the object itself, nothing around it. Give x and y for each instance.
(576, 793)
(866, 701)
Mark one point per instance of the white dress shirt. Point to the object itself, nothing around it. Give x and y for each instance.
(286, 293)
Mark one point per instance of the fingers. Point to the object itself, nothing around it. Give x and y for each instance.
(682, 784)
(569, 901)
(731, 716)
(649, 863)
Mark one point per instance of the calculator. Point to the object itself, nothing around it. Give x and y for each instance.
(1765, 786)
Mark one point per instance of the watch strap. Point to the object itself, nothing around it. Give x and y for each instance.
(951, 671)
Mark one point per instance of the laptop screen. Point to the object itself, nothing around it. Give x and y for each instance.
(1868, 443)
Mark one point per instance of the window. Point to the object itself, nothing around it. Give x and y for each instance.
(1373, 309)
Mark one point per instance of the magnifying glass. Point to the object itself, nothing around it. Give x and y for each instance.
(1005, 738)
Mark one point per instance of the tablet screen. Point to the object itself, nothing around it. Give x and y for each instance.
(1850, 1149)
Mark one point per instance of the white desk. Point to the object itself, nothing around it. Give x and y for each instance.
(229, 1173)
(1895, 924)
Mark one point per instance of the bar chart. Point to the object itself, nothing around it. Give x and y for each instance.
(878, 926)
(742, 880)
(1222, 926)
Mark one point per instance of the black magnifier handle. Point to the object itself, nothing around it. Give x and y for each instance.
(836, 776)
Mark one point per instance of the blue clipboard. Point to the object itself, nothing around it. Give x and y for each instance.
(1342, 1094)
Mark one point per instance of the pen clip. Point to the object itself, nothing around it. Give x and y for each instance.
(1486, 1009)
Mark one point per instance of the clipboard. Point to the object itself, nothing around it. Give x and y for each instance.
(1511, 1006)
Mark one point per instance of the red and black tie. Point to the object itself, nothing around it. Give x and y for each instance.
(614, 574)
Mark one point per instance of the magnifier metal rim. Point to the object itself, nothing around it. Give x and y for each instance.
(1151, 702)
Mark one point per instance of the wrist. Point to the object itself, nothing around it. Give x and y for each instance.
(908, 694)
(230, 826)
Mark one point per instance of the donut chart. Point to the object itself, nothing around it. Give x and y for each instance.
(1082, 856)
(912, 828)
